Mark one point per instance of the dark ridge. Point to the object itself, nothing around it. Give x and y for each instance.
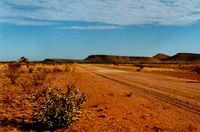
(61, 60)
(120, 59)
(190, 57)
(161, 56)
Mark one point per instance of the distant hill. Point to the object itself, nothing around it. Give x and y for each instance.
(190, 57)
(120, 59)
(161, 56)
(61, 60)
(180, 57)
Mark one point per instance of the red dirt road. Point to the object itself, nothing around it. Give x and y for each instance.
(181, 92)
(136, 101)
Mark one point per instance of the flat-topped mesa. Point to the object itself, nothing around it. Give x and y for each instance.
(122, 59)
(190, 57)
(159, 58)
(61, 60)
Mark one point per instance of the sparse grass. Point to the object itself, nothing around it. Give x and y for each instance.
(57, 70)
(39, 77)
(53, 109)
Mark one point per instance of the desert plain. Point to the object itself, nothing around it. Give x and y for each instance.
(119, 97)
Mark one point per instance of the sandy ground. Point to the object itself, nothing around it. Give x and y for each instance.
(128, 101)
(118, 100)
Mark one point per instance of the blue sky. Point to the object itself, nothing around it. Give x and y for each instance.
(40, 29)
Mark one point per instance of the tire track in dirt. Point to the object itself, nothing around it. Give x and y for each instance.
(166, 98)
(187, 105)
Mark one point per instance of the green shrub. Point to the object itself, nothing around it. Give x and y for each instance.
(55, 109)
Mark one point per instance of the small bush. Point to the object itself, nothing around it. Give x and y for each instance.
(67, 68)
(196, 69)
(39, 77)
(57, 70)
(57, 110)
(140, 66)
(30, 69)
(13, 71)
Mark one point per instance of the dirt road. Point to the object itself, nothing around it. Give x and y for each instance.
(136, 101)
(179, 92)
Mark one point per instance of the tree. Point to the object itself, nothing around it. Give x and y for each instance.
(23, 59)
